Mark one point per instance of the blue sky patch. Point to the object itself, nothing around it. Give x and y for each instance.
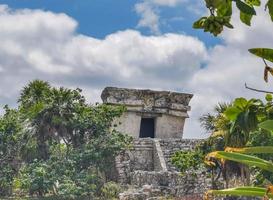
(99, 18)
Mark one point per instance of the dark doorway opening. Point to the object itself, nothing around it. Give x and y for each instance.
(147, 128)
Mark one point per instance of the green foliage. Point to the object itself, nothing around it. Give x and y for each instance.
(267, 125)
(221, 12)
(242, 158)
(110, 190)
(264, 53)
(188, 161)
(269, 5)
(261, 175)
(248, 160)
(215, 122)
(59, 176)
(253, 2)
(243, 116)
(35, 178)
(245, 8)
(234, 125)
(10, 142)
(57, 144)
(242, 191)
(262, 138)
(245, 18)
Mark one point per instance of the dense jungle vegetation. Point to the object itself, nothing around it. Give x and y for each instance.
(240, 147)
(243, 126)
(55, 144)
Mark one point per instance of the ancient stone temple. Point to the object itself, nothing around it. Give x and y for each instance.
(154, 114)
(156, 120)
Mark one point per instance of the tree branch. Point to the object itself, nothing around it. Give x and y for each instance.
(257, 90)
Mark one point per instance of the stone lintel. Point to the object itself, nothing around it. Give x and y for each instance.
(148, 101)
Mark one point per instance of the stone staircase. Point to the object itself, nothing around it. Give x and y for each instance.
(147, 165)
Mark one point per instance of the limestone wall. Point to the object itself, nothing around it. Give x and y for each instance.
(128, 123)
(172, 182)
(142, 155)
(168, 109)
(170, 146)
(168, 126)
(159, 160)
(147, 164)
(139, 157)
(151, 155)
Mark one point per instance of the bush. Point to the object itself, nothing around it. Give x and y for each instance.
(110, 191)
(57, 144)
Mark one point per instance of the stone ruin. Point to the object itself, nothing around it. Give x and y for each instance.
(154, 114)
(155, 119)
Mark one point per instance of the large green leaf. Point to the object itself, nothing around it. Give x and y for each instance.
(242, 191)
(240, 103)
(247, 150)
(232, 112)
(241, 158)
(247, 121)
(253, 2)
(246, 18)
(265, 53)
(199, 23)
(267, 125)
(270, 8)
(245, 8)
(225, 8)
(268, 97)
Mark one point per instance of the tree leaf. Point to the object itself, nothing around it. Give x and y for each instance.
(269, 5)
(265, 53)
(267, 125)
(268, 97)
(253, 2)
(249, 150)
(245, 8)
(199, 24)
(232, 113)
(240, 103)
(245, 18)
(251, 161)
(241, 191)
(225, 8)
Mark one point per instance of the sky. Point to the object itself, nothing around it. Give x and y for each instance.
(92, 44)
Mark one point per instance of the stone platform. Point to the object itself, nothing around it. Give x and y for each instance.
(147, 169)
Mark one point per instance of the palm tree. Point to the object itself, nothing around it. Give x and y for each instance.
(50, 113)
(33, 99)
(232, 123)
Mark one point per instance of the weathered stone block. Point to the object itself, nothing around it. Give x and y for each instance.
(167, 109)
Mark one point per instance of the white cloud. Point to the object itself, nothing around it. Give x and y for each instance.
(170, 3)
(148, 10)
(148, 16)
(46, 45)
(229, 67)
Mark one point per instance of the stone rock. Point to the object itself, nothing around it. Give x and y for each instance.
(167, 109)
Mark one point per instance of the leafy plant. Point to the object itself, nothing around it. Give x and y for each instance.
(241, 157)
(188, 161)
(234, 126)
(248, 160)
(110, 190)
(10, 142)
(55, 144)
(221, 12)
